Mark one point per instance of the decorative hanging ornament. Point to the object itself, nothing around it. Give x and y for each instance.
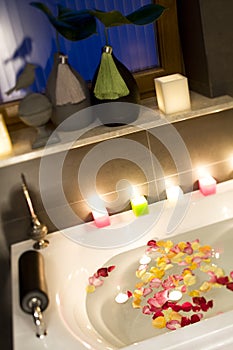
(109, 83)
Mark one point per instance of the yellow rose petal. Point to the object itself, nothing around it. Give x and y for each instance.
(205, 287)
(195, 245)
(136, 303)
(194, 293)
(175, 316)
(189, 280)
(90, 288)
(159, 322)
(182, 245)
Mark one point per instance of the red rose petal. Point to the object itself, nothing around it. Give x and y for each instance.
(157, 314)
(152, 243)
(111, 268)
(223, 280)
(185, 321)
(103, 272)
(186, 306)
(195, 318)
(199, 300)
(230, 286)
(130, 294)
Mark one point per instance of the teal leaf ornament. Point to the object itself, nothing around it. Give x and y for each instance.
(144, 15)
(73, 25)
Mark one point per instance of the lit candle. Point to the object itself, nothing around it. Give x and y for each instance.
(139, 205)
(172, 93)
(173, 194)
(101, 217)
(207, 185)
(5, 142)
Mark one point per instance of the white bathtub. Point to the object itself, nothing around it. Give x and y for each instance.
(68, 266)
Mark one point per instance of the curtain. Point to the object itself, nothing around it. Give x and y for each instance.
(27, 36)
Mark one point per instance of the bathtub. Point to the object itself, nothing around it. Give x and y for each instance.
(78, 320)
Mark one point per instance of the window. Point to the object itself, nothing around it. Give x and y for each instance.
(26, 28)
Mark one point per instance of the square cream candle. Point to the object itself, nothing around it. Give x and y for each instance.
(172, 93)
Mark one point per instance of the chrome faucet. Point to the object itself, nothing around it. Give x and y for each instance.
(39, 230)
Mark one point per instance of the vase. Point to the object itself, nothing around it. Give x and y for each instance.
(35, 110)
(69, 94)
(113, 82)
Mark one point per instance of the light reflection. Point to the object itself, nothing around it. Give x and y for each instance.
(58, 302)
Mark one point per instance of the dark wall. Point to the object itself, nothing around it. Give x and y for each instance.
(206, 33)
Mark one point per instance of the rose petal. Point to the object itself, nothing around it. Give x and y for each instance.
(199, 300)
(157, 314)
(95, 281)
(111, 268)
(103, 271)
(186, 306)
(159, 322)
(185, 321)
(146, 310)
(155, 283)
(173, 325)
(230, 286)
(231, 274)
(129, 293)
(147, 291)
(195, 318)
(223, 280)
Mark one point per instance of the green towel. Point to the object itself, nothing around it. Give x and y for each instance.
(109, 83)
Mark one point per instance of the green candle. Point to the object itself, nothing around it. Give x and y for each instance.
(139, 205)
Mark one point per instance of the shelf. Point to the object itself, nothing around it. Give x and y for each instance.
(149, 117)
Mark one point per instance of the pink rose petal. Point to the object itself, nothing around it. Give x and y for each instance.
(147, 291)
(146, 310)
(173, 325)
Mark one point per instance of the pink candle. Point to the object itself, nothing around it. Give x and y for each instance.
(207, 185)
(101, 217)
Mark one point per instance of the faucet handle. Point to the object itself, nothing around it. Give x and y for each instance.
(39, 230)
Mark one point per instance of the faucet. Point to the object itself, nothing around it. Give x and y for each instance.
(41, 330)
(39, 230)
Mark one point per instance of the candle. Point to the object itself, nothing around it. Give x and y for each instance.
(173, 194)
(172, 93)
(207, 185)
(139, 205)
(101, 217)
(5, 142)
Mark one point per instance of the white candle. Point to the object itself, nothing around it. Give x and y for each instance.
(173, 194)
(172, 93)
(5, 142)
